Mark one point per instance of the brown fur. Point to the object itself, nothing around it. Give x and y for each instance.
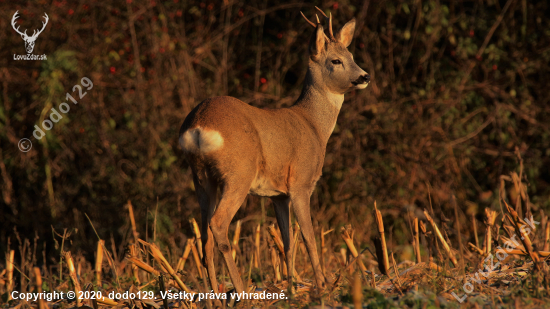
(277, 153)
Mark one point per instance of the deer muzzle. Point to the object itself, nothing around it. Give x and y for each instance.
(362, 81)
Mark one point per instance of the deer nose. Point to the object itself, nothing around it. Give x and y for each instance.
(363, 79)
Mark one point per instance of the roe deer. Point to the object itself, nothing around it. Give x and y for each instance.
(276, 153)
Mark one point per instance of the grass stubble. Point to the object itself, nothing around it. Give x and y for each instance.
(357, 278)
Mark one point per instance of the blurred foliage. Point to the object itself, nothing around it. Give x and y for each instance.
(458, 88)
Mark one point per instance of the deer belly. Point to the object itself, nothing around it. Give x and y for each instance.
(263, 186)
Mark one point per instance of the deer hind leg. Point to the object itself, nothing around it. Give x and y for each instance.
(282, 212)
(207, 190)
(232, 198)
(300, 204)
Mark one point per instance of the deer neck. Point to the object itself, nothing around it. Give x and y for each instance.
(319, 106)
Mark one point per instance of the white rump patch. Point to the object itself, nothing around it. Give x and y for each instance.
(200, 140)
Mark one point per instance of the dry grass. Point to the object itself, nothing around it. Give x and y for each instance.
(519, 276)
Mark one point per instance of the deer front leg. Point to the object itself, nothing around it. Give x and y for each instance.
(208, 255)
(282, 212)
(207, 195)
(230, 202)
(300, 204)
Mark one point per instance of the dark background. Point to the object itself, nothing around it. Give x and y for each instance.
(458, 90)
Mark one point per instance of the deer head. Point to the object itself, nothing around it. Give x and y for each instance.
(331, 64)
(29, 40)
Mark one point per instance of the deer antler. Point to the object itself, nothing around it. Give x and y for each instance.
(321, 11)
(330, 27)
(308, 21)
(43, 26)
(313, 25)
(13, 24)
(329, 23)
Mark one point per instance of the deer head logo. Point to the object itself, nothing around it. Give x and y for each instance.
(29, 40)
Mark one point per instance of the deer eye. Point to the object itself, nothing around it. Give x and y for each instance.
(336, 61)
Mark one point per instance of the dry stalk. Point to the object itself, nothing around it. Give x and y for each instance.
(441, 239)
(252, 254)
(515, 243)
(344, 254)
(417, 241)
(276, 239)
(143, 266)
(395, 270)
(380, 225)
(197, 259)
(373, 277)
(279, 243)
(236, 240)
(428, 239)
(512, 219)
(423, 227)
(509, 229)
(435, 267)
(520, 187)
(162, 289)
(476, 249)
(357, 291)
(197, 233)
(9, 268)
(474, 223)
(134, 252)
(157, 255)
(133, 221)
(347, 236)
(257, 246)
(546, 246)
(99, 261)
(72, 272)
(275, 262)
(106, 301)
(521, 252)
(524, 239)
(490, 217)
(38, 282)
(186, 251)
(517, 186)
(78, 267)
(484, 243)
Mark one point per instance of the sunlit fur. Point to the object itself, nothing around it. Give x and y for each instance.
(199, 140)
(237, 149)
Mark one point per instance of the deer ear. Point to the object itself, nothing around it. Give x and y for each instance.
(317, 42)
(345, 35)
